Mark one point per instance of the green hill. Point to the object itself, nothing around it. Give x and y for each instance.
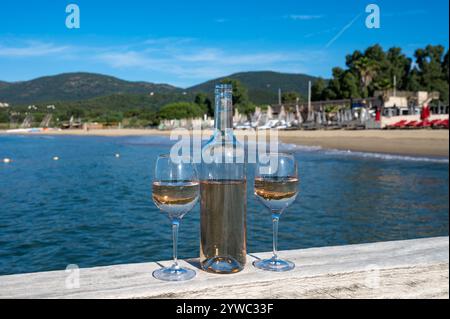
(122, 102)
(126, 102)
(262, 85)
(106, 99)
(3, 84)
(105, 109)
(74, 87)
(83, 88)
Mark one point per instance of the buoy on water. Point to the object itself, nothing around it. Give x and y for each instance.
(117, 155)
(7, 160)
(56, 158)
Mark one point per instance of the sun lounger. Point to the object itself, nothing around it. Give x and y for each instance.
(399, 124)
(411, 124)
(442, 124)
(423, 124)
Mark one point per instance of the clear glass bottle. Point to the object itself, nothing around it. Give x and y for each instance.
(223, 189)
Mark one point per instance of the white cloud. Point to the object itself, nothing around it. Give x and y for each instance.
(303, 17)
(221, 20)
(32, 49)
(183, 60)
(168, 41)
(197, 62)
(128, 59)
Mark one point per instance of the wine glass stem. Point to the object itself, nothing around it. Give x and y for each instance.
(275, 220)
(175, 226)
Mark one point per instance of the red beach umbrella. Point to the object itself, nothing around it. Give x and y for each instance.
(378, 115)
(425, 113)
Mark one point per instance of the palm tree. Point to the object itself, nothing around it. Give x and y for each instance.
(367, 70)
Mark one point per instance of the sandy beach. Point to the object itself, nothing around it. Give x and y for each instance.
(410, 142)
(403, 142)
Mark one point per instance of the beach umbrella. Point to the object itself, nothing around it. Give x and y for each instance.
(324, 117)
(300, 118)
(318, 118)
(363, 115)
(425, 113)
(378, 115)
(345, 116)
(310, 116)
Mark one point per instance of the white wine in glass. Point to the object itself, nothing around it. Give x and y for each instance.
(175, 191)
(276, 187)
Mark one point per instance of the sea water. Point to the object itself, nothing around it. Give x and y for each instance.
(93, 208)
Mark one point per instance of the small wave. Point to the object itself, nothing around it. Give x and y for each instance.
(148, 140)
(293, 147)
(380, 156)
(383, 156)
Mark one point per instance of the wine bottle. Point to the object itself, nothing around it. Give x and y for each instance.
(223, 193)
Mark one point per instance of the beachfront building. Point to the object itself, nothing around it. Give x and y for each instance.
(404, 103)
(411, 107)
(4, 105)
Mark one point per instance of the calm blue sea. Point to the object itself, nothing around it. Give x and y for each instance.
(91, 208)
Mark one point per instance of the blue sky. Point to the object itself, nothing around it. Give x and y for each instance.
(187, 42)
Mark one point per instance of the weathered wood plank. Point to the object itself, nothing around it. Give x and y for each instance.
(402, 269)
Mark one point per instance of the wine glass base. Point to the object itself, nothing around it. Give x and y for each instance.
(174, 274)
(277, 265)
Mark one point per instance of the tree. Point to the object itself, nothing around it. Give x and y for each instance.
(334, 86)
(398, 65)
(240, 93)
(180, 110)
(413, 81)
(317, 90)
(445, 66)
(205, 103)
(240, 97)
(111, 117)
(431, 74)
(375, 53)
(329, 94)
(367, 69)
(77, 112)
(350, 59)
(4, 117)
(349, 86)
(290, 97)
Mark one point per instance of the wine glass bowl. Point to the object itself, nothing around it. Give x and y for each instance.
(276, 187)
(175, 191)
(276, 193)
(176, 198)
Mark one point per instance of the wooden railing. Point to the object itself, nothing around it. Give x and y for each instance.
(401, 269)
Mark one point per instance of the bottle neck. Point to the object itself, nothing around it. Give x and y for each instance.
(223, 114)
(223, 120)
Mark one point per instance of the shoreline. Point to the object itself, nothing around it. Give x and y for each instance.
(434, 143)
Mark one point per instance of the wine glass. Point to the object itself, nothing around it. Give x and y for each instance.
(276, 187)
(175, 192)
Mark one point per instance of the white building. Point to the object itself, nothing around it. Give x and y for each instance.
(4, 105)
